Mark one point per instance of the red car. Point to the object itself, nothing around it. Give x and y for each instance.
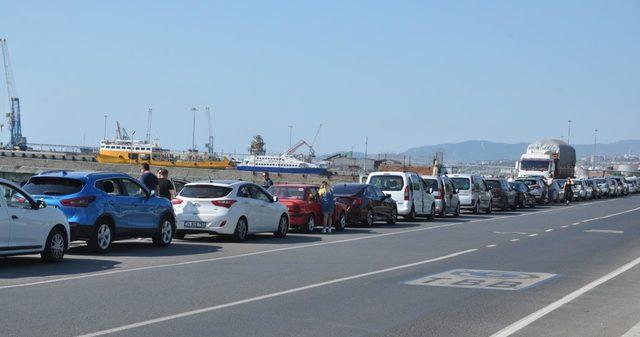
(303, 203)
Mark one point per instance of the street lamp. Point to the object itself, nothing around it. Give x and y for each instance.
(595, 142)
(290, 133)
(569, 133)
(105, 127)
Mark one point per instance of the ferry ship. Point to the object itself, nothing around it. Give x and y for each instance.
(126, 151)
(279, 164)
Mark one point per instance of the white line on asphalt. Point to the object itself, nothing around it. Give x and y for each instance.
(532, 235)
(523, 323)
(167, 265)
(272, 295)
(514, 240)
(633, 332)
(575, 223)
(609, 231)
(491, 246)
(565, 226)
(549, 230)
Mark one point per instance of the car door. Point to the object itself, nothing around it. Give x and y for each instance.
(313, 203)
(250, 207)
(376, 201)
(112, 189)
(25, 226)
(139, 213)
(485, 194)
(383, 207)
(454, 201)
(269, 217)
(418, 194)
(448, 193)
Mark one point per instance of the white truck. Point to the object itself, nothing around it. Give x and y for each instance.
(547, 157)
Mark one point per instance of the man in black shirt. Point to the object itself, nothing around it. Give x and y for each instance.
(148, 179)
(165, 186)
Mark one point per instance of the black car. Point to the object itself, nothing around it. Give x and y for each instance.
(503, 195)
(524, 196)
(367, 203)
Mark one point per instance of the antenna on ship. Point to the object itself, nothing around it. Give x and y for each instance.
(149, 125)
(209, 145)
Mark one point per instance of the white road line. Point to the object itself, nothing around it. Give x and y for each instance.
(526, 321)
(633, 332)
(575, 223)
(272, 295)
(532, 235)
(549, 230)
(565, 226)
(609, 231)
(514, 240)
(491, 246)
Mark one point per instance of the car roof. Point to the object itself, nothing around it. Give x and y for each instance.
(295, 185)
(83, 174)
(221, 182)
(351, 184)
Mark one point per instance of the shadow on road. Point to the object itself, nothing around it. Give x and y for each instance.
(145, 248)
(32, 266)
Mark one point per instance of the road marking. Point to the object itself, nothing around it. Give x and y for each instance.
(633, 332)
(609, 231)
(272, 295)
(575, 223)
(514, 240)
(491, 246)
(565, 226)
(483, 279)
(549, 230)
(532, 235)
(526, 321)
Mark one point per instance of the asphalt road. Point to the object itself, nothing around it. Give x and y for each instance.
(549, 271)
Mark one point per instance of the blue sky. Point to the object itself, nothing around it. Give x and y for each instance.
(402, 73)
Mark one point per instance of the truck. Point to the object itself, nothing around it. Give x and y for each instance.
(549, 158)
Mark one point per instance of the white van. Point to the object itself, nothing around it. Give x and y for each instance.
(411, 194)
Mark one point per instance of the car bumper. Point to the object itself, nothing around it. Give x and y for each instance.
(214, 224)
(80, 231)
(466, 201)
(439, 205)
(298, 219)
(403, 207)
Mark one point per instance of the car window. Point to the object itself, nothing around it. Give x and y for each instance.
(39, 185)
(244, 191)
(109, 186)
(205, 191)
(461, 183)
(133, 189)
(313, 194)
(14, 198)
(288, 192)
(493, 183)
(259, 194)
(416, 181)
(378, 191)
(432, 183)
(451, 187)
(387, 182)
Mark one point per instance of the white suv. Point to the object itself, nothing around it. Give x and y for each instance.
(408, 190)
(27, 226)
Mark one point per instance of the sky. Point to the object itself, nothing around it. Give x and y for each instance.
(400, 73)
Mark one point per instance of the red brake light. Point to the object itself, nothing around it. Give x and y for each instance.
(77, 202)
(227, 203)
(357, 201)
(440, 194)
(176, 201)
(406, 193)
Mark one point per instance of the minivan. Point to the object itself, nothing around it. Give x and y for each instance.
(410, 192)
(474, 193)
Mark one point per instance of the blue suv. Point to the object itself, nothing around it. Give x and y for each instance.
(104, 206)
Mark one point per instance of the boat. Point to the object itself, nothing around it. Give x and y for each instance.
(127, 151)
(280, 164)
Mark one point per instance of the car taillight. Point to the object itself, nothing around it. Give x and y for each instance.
(440, 195)
(357, 201)
(77, 202)
(406, 193)
(176, 201)
(227, 203)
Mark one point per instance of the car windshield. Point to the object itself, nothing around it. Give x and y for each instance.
(461, 183)
(347, 189)
(534, 165)
(204, 191)
(529, 181)
(519, 186)
(432, 183)
(493, 183)
(287, 192)
(387, 182)
(53, 186)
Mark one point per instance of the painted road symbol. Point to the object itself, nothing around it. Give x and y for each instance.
(483, 279)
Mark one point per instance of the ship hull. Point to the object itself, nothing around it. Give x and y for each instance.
(280, 169)
(207, 164)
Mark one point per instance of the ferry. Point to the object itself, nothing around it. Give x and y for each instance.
(126, 151)
(279, 164)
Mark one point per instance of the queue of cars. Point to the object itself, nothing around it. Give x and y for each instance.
(54, 208)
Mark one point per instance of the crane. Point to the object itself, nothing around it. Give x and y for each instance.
(15, 127)
(298, 145)
(121, 133)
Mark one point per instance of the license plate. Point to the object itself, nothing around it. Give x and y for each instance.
(195, 224)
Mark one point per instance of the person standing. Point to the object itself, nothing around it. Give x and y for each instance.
(568, 191)
(148, 179)
(327, 205)
(267, 181)
(165, 186)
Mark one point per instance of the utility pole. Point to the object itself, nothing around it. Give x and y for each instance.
(290, 134)
(366, 148)
(193, 131)
(569, 133)
(149, 125)
(105, 126)
(595, 142)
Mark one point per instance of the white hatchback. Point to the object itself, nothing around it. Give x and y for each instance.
(28, 226)
(230, 207)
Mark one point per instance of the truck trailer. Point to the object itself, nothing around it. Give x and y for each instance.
(549, 158)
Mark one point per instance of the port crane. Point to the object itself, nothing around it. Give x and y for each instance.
(312, 153)
(17, 141)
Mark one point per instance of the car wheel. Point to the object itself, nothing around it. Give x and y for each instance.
(179, 236)
(311, 224)
(165, 232)
(241, 231)
(394, 217)
(342, 222)
(457, 213)
(55, 246)
(102, 237)
(432, 214)
(283, 227)
(412, 215)
(369, 219)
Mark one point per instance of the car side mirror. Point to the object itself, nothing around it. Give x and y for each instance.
(152, 193)
(40, 204)
(457, 190)
(275, 198)
(430, 190)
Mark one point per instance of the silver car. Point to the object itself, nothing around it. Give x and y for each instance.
(445, 193)
(603, 185)
(473, 192)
